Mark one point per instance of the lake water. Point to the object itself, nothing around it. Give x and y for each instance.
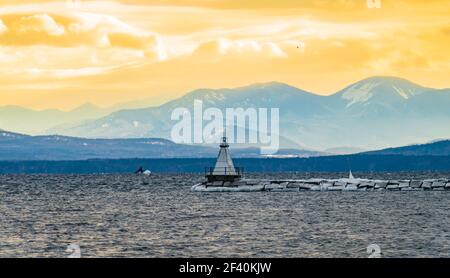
(158, 216)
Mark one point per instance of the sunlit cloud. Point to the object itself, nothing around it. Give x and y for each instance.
(245, 48)
(74, 30)
(27, 26)
(3, 28)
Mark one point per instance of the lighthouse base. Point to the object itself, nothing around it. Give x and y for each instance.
(227, 178)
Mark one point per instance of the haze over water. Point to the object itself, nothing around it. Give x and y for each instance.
(158, 216)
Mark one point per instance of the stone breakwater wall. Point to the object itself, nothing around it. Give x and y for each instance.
(325, 185)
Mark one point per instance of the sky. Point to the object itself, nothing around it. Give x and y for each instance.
(62, 54)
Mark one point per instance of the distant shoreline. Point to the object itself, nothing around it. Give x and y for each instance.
(343, 163)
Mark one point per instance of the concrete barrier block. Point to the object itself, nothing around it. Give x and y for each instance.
(393, 182)
(426, 185)
(404, 185)
(392, 187)
(293, 185)
(438, 184)
(416, 184)
(274, 186)
(366, 185)
(340, 183)
(380, 185)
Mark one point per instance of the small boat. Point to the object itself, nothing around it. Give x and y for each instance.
(141, 171)
(147, 173)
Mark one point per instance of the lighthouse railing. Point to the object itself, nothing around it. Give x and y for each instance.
(224, 171)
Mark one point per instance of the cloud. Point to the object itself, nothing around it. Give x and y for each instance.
(39, 23)
(76, 30)
(244, 48)
(3, 28)
(75, 44)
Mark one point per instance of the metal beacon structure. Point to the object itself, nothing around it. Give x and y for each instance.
(224, 169)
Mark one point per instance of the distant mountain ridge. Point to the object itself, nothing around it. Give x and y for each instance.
(439, 148)
(20, 147)
(374, 113)
(37, 121)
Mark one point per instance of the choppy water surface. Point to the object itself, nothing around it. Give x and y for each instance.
(158, 216)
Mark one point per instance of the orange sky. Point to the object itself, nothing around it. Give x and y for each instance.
(60, 54)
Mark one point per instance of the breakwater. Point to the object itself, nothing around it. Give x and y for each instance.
(317, 184)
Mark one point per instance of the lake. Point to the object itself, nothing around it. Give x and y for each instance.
(158, 216)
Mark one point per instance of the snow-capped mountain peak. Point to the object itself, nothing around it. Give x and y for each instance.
(359, 93)
(381, 90)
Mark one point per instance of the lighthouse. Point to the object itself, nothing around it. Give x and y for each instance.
(224, 169)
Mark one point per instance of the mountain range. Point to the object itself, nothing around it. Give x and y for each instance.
(375, 113)
(30, 121)
(37, 122)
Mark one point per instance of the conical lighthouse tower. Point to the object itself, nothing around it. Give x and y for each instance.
(224, 169)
